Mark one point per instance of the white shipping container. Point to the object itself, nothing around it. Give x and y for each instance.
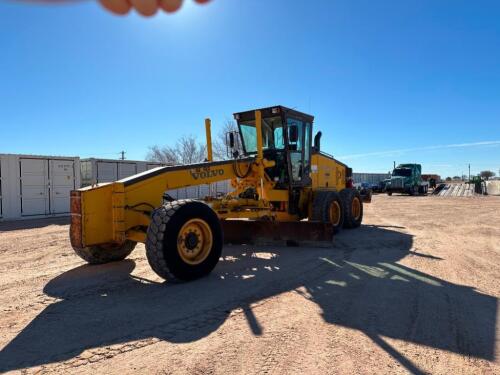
(36, 186)
(126, 170)
(371, 178)
(214, 190)
(106, 172)
(1, 183)
(94, 171)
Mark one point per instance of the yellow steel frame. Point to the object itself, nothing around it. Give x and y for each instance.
(326, 172)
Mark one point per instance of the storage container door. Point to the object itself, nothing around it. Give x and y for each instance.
(1, 207)
(141, 167)
(192, 192)
(34, 187)
(126, 170)
(62, 181)
(222, 187)
(204, 191)
(106, 172)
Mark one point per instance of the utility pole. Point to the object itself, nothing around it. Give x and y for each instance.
(469, 171)
(123, 155)
(394, 165)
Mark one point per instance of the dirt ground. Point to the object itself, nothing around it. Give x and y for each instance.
(415, 289)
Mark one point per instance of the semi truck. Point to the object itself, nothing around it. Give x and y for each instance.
(407, 179)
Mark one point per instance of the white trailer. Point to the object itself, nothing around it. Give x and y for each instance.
(33, 186)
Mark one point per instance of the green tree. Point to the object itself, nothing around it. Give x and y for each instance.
(487, 174)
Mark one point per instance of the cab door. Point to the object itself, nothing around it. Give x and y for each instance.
(299, 147)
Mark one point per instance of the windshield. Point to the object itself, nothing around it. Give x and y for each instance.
(272, 134)
(403, 172)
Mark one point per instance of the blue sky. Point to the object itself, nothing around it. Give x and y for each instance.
(412, 80)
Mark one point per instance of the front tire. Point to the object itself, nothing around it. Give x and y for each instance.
(184, 240)
(101, 254)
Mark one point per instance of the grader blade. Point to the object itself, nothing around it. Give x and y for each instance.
(302, 233)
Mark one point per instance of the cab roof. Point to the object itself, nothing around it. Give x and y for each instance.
(273, 111)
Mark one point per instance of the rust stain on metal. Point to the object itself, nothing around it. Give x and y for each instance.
(75, 231)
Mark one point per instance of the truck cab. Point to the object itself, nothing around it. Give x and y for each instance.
(407, 179)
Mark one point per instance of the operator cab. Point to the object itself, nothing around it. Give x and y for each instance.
(286, 139)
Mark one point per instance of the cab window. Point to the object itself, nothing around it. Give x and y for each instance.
(296, 146)
(307, 143)
(272, 134)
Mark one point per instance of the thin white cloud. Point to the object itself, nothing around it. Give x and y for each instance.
(406, 150)
(438, 165)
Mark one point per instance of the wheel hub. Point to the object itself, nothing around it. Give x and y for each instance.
(191, 241)
(194, 241)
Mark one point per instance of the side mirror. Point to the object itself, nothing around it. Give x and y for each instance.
(232, 144)
(293, 134)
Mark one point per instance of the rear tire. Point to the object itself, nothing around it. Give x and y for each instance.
(353, 207)
(100, 254)
(328, 208)
(389, 193)
(184, 240)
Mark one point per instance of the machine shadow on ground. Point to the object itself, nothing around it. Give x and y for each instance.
(357, 284)
(8, 226)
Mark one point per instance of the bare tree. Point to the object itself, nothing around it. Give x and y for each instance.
(487, 174)
(186, 151)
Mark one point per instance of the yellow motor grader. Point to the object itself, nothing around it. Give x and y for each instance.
(285, 188)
